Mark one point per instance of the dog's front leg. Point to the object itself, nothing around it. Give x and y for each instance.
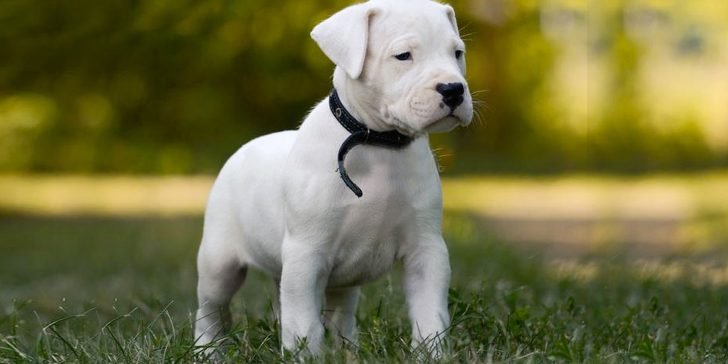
(426, 281)
(303, 281)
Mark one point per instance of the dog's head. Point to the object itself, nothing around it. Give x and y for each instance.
(401, 64)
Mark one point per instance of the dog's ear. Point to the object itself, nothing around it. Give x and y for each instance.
(451, 16)
(343, 37)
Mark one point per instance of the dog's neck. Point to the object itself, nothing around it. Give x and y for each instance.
(360, 121)
(360, 134)
(366, 113)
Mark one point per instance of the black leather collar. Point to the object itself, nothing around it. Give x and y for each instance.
(360, 134)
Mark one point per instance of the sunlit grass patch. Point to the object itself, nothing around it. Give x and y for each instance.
(652, 213)
(700, 272)
(69, 195)
(650, 196)
(655, 196)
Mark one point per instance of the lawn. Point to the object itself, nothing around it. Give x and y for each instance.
(120, 289)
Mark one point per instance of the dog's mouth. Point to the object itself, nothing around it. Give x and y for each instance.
(404, 128)
(441, 125)
(442, 122)
(445, 124)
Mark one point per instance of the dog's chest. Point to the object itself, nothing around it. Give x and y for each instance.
(372, 235)
(361, 237)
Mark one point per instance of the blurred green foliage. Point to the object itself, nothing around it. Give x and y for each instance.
(177, 86)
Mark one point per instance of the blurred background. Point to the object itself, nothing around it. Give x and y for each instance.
(175, 87)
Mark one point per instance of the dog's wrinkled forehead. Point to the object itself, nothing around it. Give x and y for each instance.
(397, 16)
(427, 27)
(345, 36)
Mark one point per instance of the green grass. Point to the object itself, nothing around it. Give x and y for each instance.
(121, 290)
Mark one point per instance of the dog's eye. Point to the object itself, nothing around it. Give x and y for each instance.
(459, 54)
(406, 56)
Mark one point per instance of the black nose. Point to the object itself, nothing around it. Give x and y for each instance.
(452, 93)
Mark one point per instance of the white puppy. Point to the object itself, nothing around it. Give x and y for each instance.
(291, 204)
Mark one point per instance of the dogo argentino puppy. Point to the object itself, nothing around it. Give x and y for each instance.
(290, 203)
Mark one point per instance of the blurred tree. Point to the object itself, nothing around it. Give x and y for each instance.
(177, 86)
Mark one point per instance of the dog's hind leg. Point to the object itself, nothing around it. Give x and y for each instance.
(220, 275)
(340, 314)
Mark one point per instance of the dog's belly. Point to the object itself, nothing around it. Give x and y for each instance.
(362, 263)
